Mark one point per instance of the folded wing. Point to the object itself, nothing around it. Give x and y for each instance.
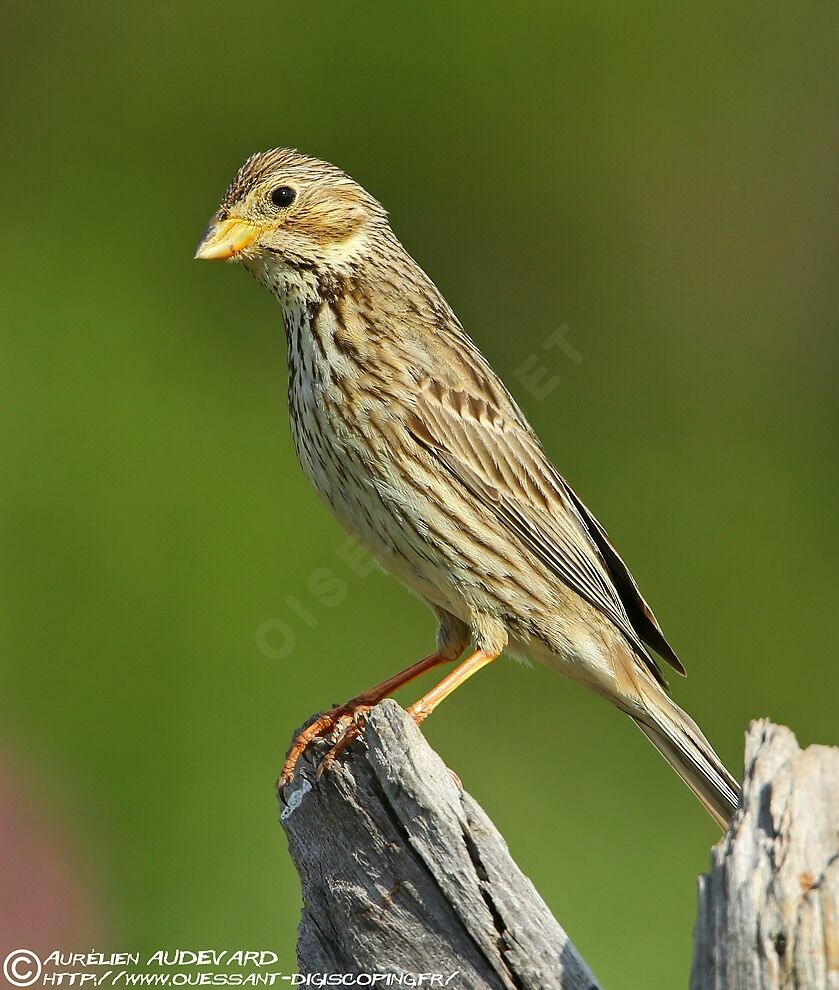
(500, 462)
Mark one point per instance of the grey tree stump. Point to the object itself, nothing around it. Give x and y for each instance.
(769, 908)
(402, 872)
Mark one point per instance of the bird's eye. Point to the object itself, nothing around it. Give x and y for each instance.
(283, 196)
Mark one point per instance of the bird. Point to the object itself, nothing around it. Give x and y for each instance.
(424, 456)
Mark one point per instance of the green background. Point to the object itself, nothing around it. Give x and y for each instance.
(661, 179)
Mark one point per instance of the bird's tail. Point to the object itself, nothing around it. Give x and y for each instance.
(679, 740)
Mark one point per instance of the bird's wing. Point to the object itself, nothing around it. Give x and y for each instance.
(501, 463)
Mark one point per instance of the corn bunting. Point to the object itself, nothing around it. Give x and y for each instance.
(422, 453)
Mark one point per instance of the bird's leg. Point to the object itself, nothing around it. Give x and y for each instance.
(421, 709)
(352, 712)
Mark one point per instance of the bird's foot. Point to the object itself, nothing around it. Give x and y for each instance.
(418, 712)
(350, 733)
(347, 721)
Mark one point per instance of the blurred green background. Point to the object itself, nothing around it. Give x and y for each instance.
(660, 179)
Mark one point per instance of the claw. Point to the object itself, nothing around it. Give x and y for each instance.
(353, 713)
(345, 740)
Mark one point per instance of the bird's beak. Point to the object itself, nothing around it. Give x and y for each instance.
(224, 239)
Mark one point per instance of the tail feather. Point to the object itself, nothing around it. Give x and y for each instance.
(680, 741)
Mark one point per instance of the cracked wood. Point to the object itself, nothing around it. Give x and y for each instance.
(401, 871)
(769, 908)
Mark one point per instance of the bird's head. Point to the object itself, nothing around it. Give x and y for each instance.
(287, 213)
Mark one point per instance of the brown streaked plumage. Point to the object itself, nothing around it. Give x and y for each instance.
(422, 453)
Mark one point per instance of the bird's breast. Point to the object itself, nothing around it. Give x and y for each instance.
(332, 412)
(353, 445)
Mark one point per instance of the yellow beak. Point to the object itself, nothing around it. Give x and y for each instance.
(225, 238)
